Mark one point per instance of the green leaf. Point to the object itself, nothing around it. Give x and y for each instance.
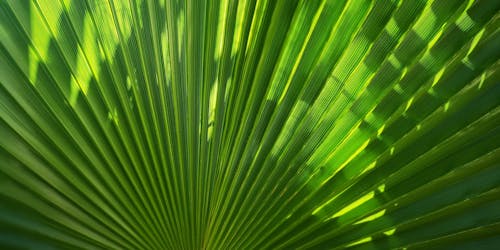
(268, 124)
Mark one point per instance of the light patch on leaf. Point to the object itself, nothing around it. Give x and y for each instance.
(40, 38)
(221, 26)
(352, 205)
(390, 232)
(371, 217)
(211, 111)
(364, 240)
(180, 33)
(475, 41)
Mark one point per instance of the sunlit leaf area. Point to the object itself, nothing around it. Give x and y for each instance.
(249, 124)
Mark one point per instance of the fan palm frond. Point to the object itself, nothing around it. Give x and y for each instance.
(267, 124)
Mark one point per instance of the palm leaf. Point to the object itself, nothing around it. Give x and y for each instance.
(262, 124)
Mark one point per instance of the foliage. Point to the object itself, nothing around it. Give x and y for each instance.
(252, 124)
